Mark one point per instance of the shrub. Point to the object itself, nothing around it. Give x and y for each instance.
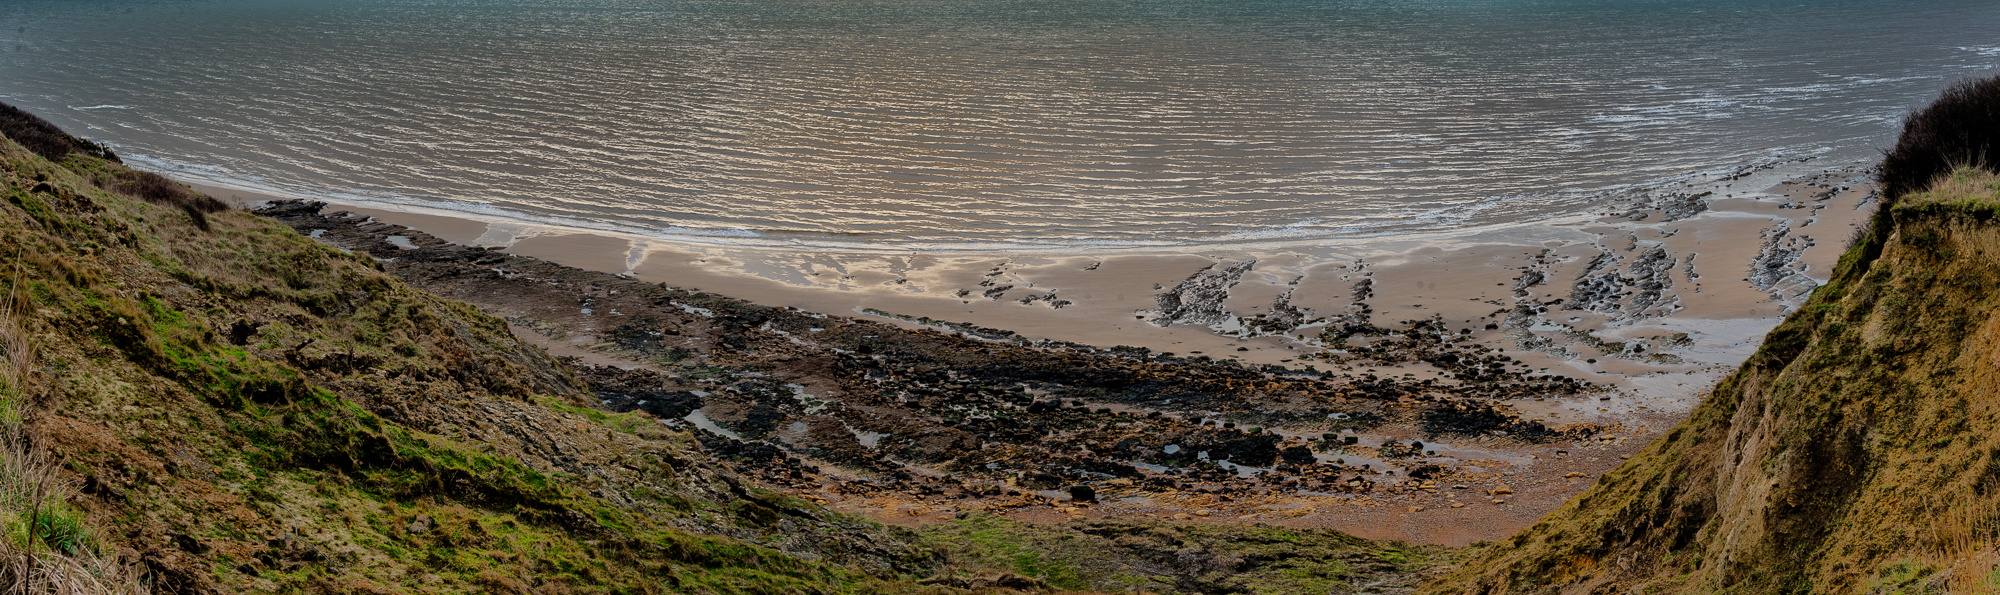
(49, 141)
(1960, 128)
(159, 190)
(46, 139)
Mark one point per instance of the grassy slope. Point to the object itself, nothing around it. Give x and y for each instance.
(1857, 451)
(1151, 556)
(248, 410)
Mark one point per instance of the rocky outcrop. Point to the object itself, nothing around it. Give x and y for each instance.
(1198, 299)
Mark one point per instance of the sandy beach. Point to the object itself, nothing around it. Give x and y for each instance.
(1722, 272)
(1652, 301)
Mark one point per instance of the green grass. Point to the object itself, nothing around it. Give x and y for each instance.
(197, 437)
(1149, 555)
(307, 453)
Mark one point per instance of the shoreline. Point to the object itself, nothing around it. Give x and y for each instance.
(1114, 297)
(1642, 293)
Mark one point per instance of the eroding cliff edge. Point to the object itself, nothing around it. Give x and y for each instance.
(1858, 451)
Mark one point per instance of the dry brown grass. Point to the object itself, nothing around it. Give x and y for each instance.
(1963, 536)
(1963, 185)
(46, 546)
(19, 357)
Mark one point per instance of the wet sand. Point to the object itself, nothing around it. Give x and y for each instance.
(1656, 300)
(1791, 234)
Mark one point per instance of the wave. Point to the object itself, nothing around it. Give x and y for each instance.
(1469, 217)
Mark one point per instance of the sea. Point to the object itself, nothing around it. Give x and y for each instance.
(968, 125)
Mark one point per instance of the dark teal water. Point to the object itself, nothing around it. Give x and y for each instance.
(987, 123)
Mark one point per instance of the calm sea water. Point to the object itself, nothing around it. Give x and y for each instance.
(986, 123)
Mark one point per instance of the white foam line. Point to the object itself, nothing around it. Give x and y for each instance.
(507, 226)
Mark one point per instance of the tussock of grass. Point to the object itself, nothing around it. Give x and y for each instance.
(1965, 542)
(1965, 189)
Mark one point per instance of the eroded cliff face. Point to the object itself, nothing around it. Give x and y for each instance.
(1857, 451)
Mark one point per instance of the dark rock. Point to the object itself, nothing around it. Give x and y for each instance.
(190, 545)
(977, 583)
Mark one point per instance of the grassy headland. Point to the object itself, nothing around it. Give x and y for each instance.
(211, 402)
(218, 389)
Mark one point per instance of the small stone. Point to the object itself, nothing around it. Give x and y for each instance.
(1203, 512)
(1416, 509)
(1499, 501)
(1575, 474)
(1502, 491)
(1183, 517)
(1458, 505)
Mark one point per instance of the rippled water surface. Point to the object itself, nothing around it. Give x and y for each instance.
(985, 123)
